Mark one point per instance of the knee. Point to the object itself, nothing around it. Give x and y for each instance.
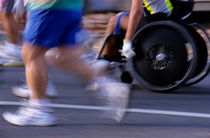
(112, 21)
(30, 54)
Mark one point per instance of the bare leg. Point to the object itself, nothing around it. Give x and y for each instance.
(36, 112)
(112, 22)
(36, 71)
(111, 26)
(11, 27)
(20, 20)
(69, 60)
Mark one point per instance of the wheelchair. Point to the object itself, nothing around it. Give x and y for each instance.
(170, 52)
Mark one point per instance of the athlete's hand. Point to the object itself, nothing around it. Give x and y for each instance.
(127, 49)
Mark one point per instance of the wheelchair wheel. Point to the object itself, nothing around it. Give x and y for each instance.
(166, 56)
(203, 66)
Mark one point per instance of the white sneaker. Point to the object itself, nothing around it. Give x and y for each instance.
(11, 62)
(11, 54)
(28, 115)
(24, 92)
(93, 87)
(98, 66)
(117, 97)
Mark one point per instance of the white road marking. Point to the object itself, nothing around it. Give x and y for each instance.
(131, 110)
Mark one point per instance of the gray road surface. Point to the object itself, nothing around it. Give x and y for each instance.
(77, 123)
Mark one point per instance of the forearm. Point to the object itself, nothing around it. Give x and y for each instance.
(134, 19)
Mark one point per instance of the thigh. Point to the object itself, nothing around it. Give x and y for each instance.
(124, 22)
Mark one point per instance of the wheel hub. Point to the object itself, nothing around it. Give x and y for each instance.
(159, 57)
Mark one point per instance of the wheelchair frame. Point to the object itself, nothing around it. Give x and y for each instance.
(194, 69)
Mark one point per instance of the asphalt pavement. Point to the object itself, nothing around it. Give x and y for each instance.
(184, 113)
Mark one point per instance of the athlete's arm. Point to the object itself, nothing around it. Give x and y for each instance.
(133, 21)
(134, 18)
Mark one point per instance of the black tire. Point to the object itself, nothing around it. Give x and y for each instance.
(163, 62)
(203, 66)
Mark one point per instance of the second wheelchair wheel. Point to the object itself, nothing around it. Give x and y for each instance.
(166, 56)
(203, 67)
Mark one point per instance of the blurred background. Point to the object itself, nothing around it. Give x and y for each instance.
(98, 12)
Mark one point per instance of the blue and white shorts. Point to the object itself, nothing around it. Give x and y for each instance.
(52, 28)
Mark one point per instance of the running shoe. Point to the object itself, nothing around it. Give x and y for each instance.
(10, 54)
(24, 92)
(93, 87)
(99, 66)
(29, 115)
(11, 62)
(116, 97)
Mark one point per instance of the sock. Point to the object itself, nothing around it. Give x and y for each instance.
(40, 103)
